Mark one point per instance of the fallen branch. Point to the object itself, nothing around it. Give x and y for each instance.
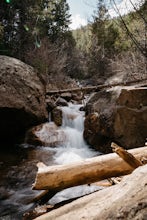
(126, 156)
(43, 197)
(59, 177)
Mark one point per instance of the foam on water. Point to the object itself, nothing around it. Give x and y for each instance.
(74, 148)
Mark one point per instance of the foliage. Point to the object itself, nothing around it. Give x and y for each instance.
(104, 35)
(135, 25)
(26, 23)
(15, 17)
(56, 18)
(82, 37)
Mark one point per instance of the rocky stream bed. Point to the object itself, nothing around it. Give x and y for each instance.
(50, 129)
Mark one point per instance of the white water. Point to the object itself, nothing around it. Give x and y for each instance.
(74, 148)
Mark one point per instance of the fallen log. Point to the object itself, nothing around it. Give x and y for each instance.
(59, 177)
(127, 200)
(94, 88)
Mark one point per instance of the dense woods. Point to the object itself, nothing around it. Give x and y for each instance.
(38, 33)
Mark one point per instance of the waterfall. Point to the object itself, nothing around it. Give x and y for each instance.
(74, 147)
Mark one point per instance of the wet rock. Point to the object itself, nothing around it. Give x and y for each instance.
(78, 96)
(119, 116)
(61, 102)
(50, 104)
(57, 116)
(67, 96)
(82, 108)
(46, 134)
(22, 99)
(95, 133)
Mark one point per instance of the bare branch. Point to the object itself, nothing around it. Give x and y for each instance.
(133, 38)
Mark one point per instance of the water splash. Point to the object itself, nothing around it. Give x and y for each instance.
(74, 148)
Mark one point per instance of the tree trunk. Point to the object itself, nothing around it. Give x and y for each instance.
(59, 177)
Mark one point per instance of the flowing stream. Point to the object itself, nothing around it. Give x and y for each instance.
(74, 147)
(18, 166)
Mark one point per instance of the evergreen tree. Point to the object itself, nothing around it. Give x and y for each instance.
(19, 22)
(56, 19)
(103, 38)
(26, 22)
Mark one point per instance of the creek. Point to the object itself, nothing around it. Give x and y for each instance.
(18, 166)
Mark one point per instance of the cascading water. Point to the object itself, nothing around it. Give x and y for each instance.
(74, 147)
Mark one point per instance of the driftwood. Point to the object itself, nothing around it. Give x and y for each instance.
(59, 177)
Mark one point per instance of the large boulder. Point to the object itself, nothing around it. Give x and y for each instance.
(118, 115)
(22, 99)
(46, 134)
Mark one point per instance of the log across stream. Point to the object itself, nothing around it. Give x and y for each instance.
(18, 166)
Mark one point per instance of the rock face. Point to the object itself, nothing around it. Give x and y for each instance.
(125, 201)
(22, 99)
(119, 116)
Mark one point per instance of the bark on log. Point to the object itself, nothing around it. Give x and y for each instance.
(126, 156)
(87, 171)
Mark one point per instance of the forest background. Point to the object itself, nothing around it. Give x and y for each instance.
(106, 50)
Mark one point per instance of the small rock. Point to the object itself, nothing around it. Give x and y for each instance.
(50, 105)
(77, 96)
(67, 96)
(56, 116)
(61, 102)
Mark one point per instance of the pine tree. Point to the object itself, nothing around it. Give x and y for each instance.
(26, 22)
(103, 38)
(18, 19)
(57, 19)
